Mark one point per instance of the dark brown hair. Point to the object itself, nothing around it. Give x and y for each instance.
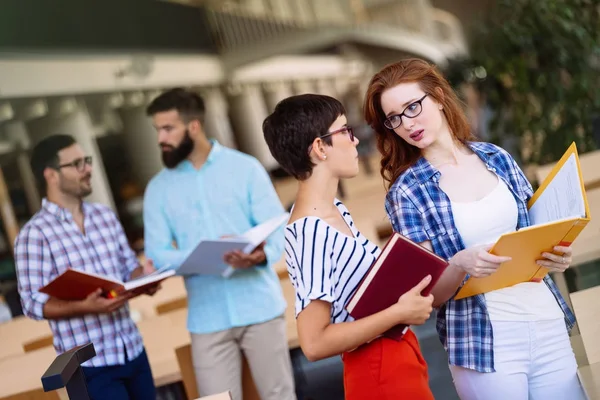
(397, 155)
(45, 155)
(188, 104)
(294, 125)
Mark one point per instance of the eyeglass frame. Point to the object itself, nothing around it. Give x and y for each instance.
(87, 160)
(346, 128)
(402, 114)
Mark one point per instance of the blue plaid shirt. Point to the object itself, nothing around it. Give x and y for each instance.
(420, 210)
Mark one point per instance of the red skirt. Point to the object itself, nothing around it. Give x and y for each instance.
(387, 370)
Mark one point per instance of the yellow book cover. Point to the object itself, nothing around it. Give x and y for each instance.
(558, 211)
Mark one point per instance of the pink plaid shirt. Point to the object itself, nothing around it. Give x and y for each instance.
(51, 243)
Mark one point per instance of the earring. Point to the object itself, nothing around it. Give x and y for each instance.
(441, 107)
(324, 157)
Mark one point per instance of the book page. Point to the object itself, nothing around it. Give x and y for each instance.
(145, 279)
(260, 233)
(208, 257)
(563, 197)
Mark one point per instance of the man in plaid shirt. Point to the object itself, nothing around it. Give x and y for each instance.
(70, 233)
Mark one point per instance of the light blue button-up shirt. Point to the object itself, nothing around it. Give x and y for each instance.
(228, 195)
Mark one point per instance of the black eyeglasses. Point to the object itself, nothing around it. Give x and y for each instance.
(411, 111)
(79, 164)
(346, 128)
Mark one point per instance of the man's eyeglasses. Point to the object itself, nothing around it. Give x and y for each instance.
(411, 111)
(79, 164)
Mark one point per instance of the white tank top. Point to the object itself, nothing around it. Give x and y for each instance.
(484, 221)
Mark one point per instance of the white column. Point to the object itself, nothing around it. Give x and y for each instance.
(141, 142)
(16, 132)
(275, 92)
(424, 10)
(216, 120)
(327, 87)
(70, 116)
(342, 85)
(248, 111)
(352, 101)
(303, 87)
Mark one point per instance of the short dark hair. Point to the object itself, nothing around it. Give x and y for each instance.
(45, 155)
(189, 105)
(293, 126)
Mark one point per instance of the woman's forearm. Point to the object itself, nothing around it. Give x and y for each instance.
(446, 286)
(338, 338)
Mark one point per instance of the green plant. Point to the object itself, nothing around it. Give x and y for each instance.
(537, 63)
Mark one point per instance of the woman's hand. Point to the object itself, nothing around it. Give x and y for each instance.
(557, 263)
(412, 307)
(477, 261)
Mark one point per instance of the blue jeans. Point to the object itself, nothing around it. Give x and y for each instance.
(132, 381)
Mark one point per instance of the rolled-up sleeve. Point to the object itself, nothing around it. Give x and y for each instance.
(34, 268)
(404, 216)
(158, 235)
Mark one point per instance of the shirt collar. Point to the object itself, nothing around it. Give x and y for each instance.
(59, 212)
(215, 150)
(423, 170)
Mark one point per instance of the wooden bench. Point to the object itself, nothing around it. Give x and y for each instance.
(163, 334)
(586, 308)
(20, 375)
(172, 290)
(22, 334)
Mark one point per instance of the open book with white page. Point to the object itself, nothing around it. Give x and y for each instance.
(558, 212)
(77, 285)
(208, 256)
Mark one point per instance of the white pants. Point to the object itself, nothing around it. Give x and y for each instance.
(533, 361)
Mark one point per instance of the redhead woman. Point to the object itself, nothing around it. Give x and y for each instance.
(456, 196)
(327, 257)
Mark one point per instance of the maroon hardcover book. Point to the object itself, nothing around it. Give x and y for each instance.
(77, 285)
(400, 266)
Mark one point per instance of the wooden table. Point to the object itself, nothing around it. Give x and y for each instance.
(162, 334)
(590, 169)
(144, 307)
(19, 331)
(23, 372)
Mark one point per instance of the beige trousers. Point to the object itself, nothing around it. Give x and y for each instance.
(217, 360)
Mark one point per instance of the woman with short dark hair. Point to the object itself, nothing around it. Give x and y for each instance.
(327, 257)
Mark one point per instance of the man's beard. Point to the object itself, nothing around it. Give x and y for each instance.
(172, 158)
(76, 188)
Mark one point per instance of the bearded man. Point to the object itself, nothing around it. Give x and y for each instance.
(208, 191)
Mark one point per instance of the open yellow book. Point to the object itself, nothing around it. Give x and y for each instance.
(558, 212)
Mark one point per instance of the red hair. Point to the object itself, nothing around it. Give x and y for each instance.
(397, 155)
